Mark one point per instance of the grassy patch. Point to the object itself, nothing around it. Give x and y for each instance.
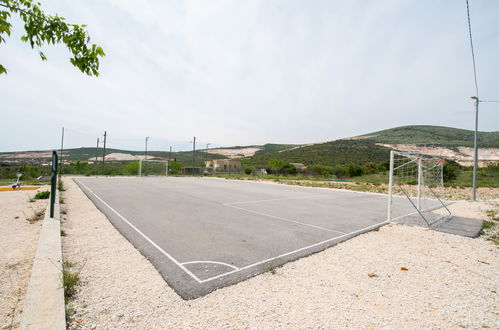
(70, 280)
(42, 195)
(60, 185)
(487, 224)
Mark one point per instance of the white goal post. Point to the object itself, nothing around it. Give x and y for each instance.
(153, 167)
(420, 179)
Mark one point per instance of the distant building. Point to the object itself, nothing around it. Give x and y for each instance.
(299, 166)
(222, 164)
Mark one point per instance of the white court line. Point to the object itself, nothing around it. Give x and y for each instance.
(294, 251)
(273, 200)
(284, 219)
(210, 262)
(145, 237)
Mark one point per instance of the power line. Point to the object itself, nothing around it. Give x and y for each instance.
(472, 49)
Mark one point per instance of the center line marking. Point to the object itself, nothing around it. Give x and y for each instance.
(284, 219)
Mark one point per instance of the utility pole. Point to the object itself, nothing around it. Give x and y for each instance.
(104, 152)
(97, 151)
(193, 154)
(62, 149)
(206, 156)
(170, 152)
(475, 148)
(147, 138)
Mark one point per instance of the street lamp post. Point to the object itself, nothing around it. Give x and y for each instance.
(475, 148)
(206, 155)
(145, 158)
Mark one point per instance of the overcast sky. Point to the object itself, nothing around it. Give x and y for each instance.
(251, 72)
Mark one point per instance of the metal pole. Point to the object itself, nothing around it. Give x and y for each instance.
(206, 158)
(104, 152)
(97, 151)
(420, 180)
(140, 167)
(147, 138)
(193, 154)
(390, 183)
(53, 183)
(170, 152)
(475, 151)
(62, 148)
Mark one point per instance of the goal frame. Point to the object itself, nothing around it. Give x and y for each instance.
(417, 158)
(140, 174)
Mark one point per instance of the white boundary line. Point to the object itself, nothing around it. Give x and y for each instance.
(145, 237)
(193, 276)
(295, 251)
(284, 219)
(210, 262)
(274, 200)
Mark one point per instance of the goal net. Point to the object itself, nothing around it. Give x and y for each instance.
(418, 178)
(152, 167)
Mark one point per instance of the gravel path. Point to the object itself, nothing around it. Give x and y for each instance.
(18, 242)
(450, 282)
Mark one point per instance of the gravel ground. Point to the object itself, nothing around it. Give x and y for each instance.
(18, 242)
(396, 277)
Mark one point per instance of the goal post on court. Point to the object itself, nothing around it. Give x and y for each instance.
(420, 179)
(153, 167)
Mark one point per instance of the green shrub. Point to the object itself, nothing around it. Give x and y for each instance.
(247, 171)
(42, 195)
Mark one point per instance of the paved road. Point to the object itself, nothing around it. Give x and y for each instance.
(206, 233)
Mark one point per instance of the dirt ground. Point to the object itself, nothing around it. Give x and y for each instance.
(396, 277)
(18, 242)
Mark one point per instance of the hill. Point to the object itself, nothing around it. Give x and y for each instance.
(447, 142)
(339, 152)
(433, 135)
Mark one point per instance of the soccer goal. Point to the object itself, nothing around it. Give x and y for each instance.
(153, 167)
(420, 179)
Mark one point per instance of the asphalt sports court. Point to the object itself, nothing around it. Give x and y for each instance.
(205, 233)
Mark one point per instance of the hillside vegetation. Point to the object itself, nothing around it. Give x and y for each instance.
(339, 152)
(434, 135)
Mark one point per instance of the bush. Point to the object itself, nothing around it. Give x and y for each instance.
(247, 171)
(450, 170)
(355, 170)
(42, 195)
(288, 169)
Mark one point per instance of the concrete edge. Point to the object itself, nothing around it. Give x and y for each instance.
(44, 306)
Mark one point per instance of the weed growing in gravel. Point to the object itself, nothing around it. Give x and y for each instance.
(42, 195)
(64, 212)
(63, 233)
(31, 200)
(487, 224)
(70, 280)
(36, 216)
(60, 185)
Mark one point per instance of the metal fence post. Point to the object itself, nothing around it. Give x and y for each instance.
(390, 183)
(53, 183)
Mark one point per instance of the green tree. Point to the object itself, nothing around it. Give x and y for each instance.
(44, 29)
(174, 167)
(79, 166)
(275, 165)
